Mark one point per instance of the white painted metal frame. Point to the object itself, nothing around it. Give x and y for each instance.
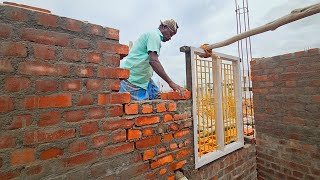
(222, 148)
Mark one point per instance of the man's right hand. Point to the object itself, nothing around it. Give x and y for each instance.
(178, 88)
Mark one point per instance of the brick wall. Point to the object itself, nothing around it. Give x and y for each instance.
(287, 105)
(62, 117)
(240, 164)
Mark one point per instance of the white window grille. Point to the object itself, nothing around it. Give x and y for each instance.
(217, 106)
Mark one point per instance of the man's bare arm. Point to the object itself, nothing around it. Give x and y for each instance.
(157, 67)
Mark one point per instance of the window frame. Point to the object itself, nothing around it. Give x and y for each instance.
(223, 149)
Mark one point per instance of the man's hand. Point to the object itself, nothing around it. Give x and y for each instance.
(178, 88)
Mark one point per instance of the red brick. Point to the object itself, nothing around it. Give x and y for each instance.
(294, 121)
(173, 127)
(150, 175)
(173, 146)
(167, 137)
(22, 156)
(51, 153)
(119, 136)
(184, 132)
(40, 136)
(164, 95)
(113, 84)
(177, 96)
(10, 174)
(147, 120)
(95, 29)
(183, 153)
(5, 65)
(177, 165)
(46, 85)
(15, 84)
(51, 101)
(268, 84)
(112, 72)
(162, 171)
(112, 60)
(94, 84)
(45, 37)
(112, 151)
(44, 52)
(89, 128)
(80, 159)
(71, 85)
(97, 113)
(161, 150)
(115, 111)
(77, 146)
(171, 177)
(131, 109)
(136, 157)
(34, 170)
(146, 108)
(187, 124)
(21, 121)
(6, 104)
(43, 68)
(112, 33)
(114, 98)
(84, 71)
(81, 44)
(121, 49)
(178, 117)
(162, 161)
(14, 49)
(148, 142)
(5, 30)
(161, 107)
(106, 46)
(71, 55)
(118, 124)
(74, 116)
(167, 117)
(100, 140)
(7, 141)
(85, 100)
(72, 25)
(47, 20)
(49, 119)
(134, 134)
(148, 131)
(16, 14)
(94, 57)
(316, 98)
(148, 154)
(172, 107)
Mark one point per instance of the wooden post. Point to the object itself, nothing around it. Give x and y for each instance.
(186, 50)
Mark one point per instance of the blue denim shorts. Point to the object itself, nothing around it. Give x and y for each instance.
(138, 93)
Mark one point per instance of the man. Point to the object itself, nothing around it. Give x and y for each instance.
(142, 60)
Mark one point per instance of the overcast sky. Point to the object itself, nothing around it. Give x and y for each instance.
(200, 21)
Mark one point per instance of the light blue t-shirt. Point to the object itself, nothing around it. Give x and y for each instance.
(138, 59)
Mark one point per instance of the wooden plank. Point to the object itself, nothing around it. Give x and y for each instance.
(271, 26)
